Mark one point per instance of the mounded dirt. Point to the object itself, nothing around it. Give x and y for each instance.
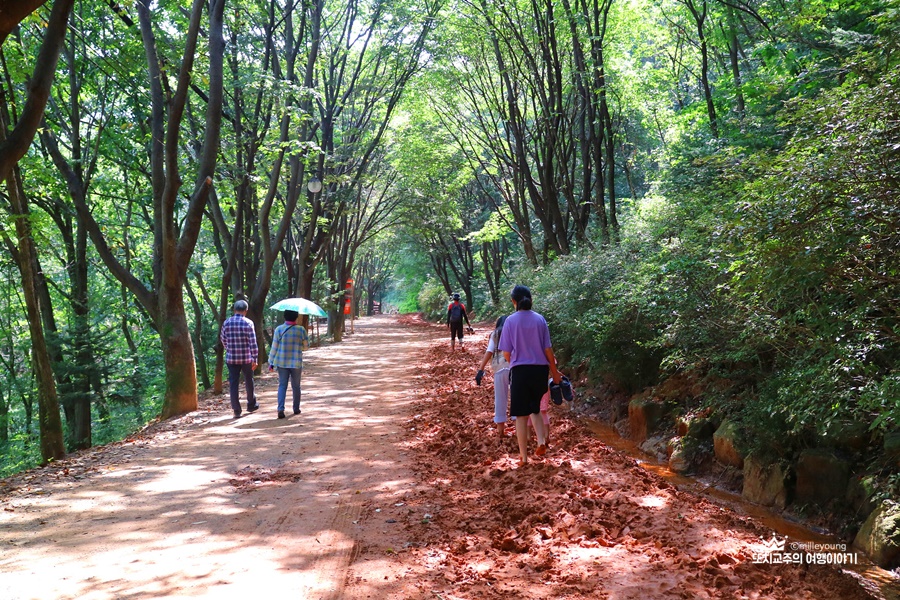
(390, 484)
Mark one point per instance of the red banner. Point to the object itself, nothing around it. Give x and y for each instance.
(348, 296)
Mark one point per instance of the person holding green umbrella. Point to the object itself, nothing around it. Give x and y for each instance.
(288, 343)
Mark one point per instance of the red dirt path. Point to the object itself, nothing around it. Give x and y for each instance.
(584, 522)
(389, 485)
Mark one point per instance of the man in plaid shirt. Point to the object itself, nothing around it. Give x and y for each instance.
(241, 353)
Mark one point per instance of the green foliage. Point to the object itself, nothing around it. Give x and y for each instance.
(603, 309)
(432, 300)
(19, 453)
(787, 258)
(409, 303)
(410, 271)
(766, 258)
(770, 268)
(818, 239)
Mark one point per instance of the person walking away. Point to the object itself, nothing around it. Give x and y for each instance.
(288, 343)
(500, 367)
(525, 342)
(238, 337)
(456, 313)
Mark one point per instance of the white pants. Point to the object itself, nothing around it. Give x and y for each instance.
(501, 395)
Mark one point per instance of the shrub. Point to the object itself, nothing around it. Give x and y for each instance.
(432, 300)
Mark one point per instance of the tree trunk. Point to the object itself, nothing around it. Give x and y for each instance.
(28, 405)
(178, 355)
(218, 386)
(12, 12)
(80, 427)
(699, 15)
(735, 65)
(198, 338)
(4, 418)
(611, 172)
(51, 431)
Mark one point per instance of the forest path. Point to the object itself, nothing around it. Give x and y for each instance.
(214, 507)
(390, 485)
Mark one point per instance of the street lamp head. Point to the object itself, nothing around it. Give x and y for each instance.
(314, 185)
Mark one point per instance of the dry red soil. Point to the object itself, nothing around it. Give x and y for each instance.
(390, 484)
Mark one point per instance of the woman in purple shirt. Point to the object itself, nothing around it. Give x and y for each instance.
(525, 342)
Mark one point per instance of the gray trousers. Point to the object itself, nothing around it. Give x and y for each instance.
(234, 381)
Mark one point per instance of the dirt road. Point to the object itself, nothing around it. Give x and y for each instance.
(390, 484)
(214, 507)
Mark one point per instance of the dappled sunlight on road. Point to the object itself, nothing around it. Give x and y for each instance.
(232, 503)
(390, 484)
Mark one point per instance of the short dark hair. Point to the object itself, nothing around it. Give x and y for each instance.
(241, 306)
(522, 296)
(291, 315)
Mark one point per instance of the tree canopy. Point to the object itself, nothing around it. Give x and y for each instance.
(691, 186)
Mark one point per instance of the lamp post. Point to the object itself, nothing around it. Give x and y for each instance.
(314, 185)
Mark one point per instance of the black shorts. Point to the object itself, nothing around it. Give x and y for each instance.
(456, 330)
(527, 385)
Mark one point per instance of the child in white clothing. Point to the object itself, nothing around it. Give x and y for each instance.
(501, 377)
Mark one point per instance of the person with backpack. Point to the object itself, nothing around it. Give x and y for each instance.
(456, 313)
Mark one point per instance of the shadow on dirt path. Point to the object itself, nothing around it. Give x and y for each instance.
(215, 507)
(391, 484)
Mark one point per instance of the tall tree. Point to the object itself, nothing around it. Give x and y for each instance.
(16, 134)
(535, 123)
(175, 228)
(273, 232)
(25, 255)
(373, 270)
(249, 245)
(699, 11)
(77, 165)
(372, 208)
(370, 52)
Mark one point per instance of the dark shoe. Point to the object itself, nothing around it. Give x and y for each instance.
(281, 414)
(556, 393)
(296, 411)
(253, 408)
(237, 415)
